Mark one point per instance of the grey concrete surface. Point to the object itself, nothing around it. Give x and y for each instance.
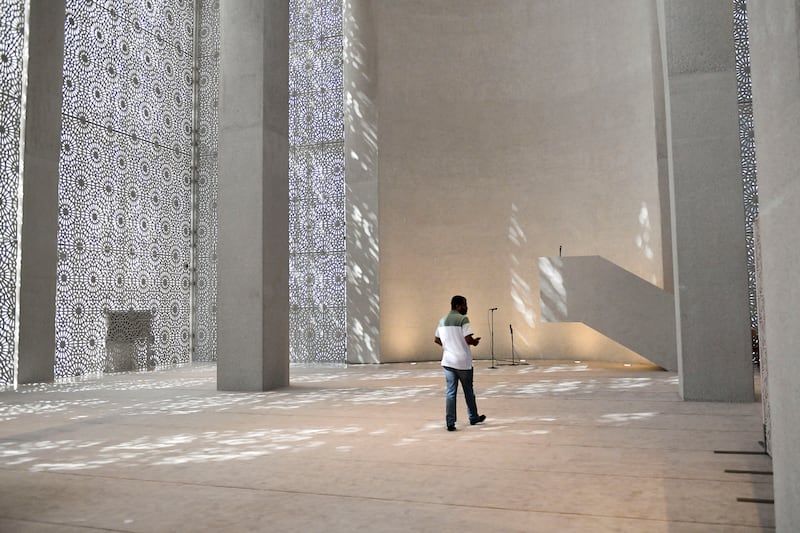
(39, 229)
(709, 248)
(611, 300)
(361, 169)
(565, 447)
(508, 129)
(253, 213)
(775, 52)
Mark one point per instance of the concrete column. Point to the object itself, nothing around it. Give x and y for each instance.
(774, 27)
(39, 231)
(253, 274)
(361, 174)
(662, 159)
(706, 193)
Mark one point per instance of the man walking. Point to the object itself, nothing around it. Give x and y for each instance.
(454, 335)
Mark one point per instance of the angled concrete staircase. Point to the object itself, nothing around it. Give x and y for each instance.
(611, 300)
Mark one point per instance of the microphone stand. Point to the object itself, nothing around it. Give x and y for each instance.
(491, 334)
(513, 360)
(513, 363)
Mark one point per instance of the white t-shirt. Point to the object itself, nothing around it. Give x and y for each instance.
(451, 330)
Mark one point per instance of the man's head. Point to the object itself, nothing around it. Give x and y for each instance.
(459, 303)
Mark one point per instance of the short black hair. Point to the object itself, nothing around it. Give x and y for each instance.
(455, 301)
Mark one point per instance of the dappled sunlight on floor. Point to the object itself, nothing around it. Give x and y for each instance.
(172, 449)
(150, 400)
(375, 433)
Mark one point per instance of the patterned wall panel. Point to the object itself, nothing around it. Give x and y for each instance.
(317, 303)
(125, 192)
(748, 149)
(205, 296)
(12, 20)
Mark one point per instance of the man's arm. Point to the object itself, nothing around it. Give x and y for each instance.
(437, 340)
(472, 341)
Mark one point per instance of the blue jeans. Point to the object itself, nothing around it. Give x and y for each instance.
(452, 376)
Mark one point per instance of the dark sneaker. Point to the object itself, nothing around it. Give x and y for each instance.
(477, 420)
(451, 428)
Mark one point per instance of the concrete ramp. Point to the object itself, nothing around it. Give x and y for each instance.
(611, 300)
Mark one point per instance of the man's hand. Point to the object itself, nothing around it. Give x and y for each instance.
(472, 340)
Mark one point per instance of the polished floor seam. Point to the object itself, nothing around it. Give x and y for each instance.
(571, 473)
(75, 526)
(391, 500)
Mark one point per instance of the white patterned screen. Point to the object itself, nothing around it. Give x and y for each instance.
(12, 22)
(316, 183)
(129, 170)
(748, 150)
(205, 295)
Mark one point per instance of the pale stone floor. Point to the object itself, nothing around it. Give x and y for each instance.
(566, 447)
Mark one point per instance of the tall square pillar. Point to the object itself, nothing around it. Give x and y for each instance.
(39, 231)
(774, 27)
(707, 208)
(253, 270)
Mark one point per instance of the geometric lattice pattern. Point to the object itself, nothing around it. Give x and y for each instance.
(124, 280)
(204, 300)
(747, 144)
(317, 321)
(12, 20)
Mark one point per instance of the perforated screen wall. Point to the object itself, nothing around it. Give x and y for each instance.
(12, 25)
(316, 183)
(205, 294)
(747, 144)
(132, 139)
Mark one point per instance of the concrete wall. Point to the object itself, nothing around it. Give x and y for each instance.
(612, 301)
(508, 129)
(775, 58)
(361, 169)
(253, 272)
(707, 201)
(39, 230)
